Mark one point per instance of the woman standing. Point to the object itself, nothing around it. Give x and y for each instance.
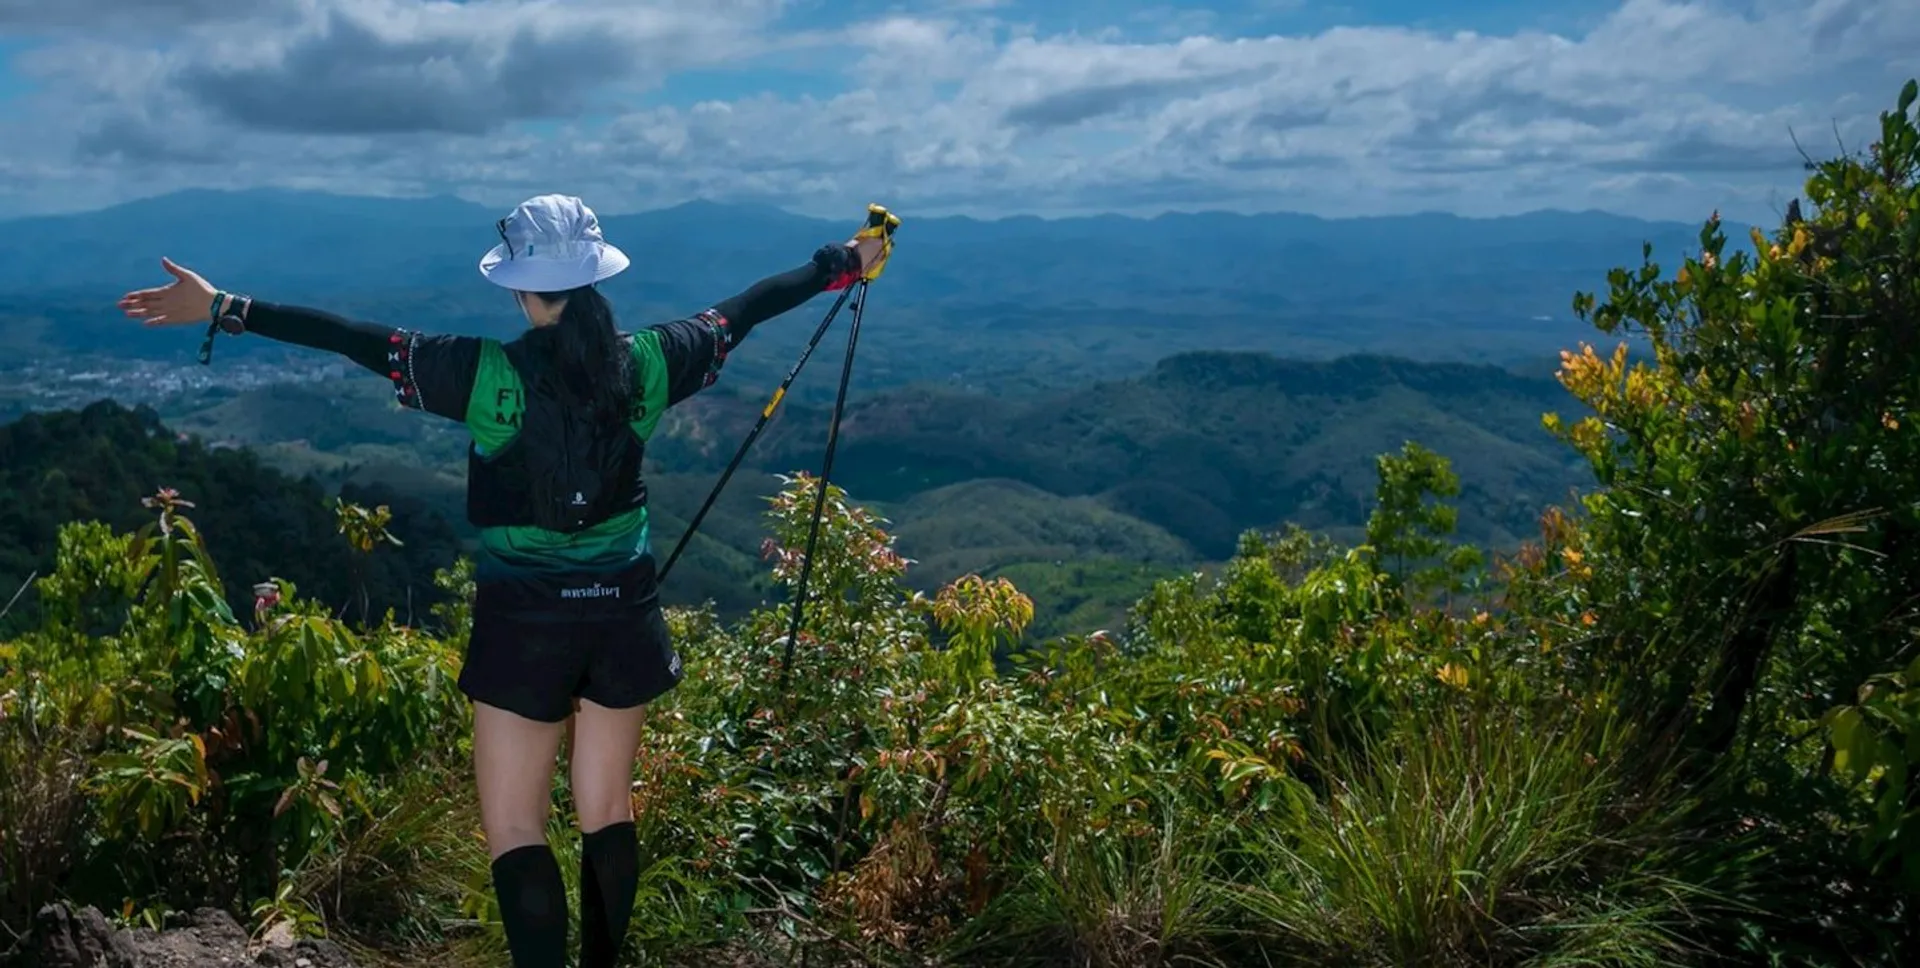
(566, 620)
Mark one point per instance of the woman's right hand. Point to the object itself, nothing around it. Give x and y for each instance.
(187, 299)
(867, 251)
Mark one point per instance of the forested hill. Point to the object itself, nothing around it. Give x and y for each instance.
(98, 463)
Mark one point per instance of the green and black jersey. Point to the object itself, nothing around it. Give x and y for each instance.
(469, 379)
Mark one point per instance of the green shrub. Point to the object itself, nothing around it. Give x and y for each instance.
(218, 754)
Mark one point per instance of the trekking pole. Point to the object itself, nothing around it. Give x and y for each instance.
(881, 225)
(766, 415)
(826, 478)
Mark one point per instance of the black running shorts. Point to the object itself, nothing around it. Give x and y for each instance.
(540, 641)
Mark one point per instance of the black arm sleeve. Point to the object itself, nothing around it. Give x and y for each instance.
(430, 373)
(363, 343)
(770, 297)
(694, 348)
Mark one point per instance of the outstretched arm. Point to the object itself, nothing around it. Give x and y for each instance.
(363, 343)
(777, 294)
(428, 373)
(695, 348)
(431, 373)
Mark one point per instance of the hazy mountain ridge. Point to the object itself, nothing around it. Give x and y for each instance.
(962, 294)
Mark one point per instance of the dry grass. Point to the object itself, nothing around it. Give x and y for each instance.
(44, 750)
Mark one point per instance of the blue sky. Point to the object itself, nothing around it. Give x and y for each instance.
(12, 84)
(1664, 108)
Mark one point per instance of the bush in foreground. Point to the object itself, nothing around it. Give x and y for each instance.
(1184, 791)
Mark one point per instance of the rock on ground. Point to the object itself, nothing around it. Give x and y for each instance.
(65, 937)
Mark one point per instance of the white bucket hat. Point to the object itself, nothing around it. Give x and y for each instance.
(551, 243)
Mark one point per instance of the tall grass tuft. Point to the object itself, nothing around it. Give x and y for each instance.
(1469, 837)
(46, 744)
(393, 879)
(1125, 895)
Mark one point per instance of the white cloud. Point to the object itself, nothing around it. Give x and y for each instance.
(1664, 107)
(94, 15)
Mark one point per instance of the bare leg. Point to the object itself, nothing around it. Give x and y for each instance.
(605, 742)
(513, 762)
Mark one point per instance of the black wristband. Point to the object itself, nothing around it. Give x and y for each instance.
(233, 322)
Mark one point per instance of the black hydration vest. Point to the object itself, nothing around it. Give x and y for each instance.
(564, 471)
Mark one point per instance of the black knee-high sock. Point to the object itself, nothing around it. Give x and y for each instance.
(593, 914)
(609, 876)
(533, 906)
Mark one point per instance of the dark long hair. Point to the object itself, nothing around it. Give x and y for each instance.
(591, 361)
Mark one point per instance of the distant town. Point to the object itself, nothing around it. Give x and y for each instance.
(71, 382)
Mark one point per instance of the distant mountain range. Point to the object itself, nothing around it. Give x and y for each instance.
(962, 294)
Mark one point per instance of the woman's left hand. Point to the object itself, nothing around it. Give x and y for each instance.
(187, 299)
